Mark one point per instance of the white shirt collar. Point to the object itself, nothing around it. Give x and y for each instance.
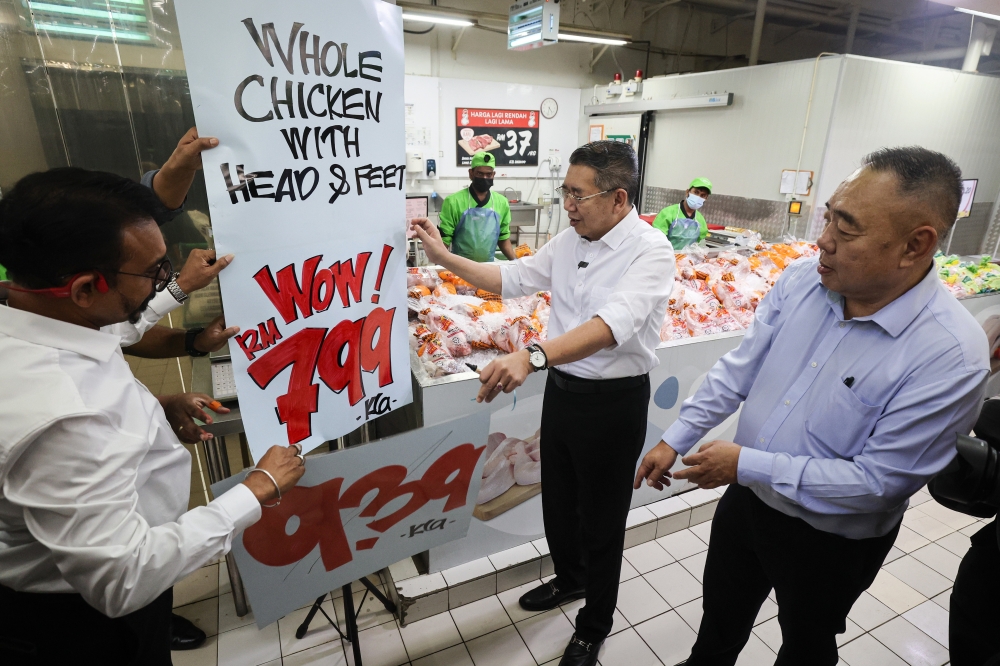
(620, 231)
(49, 332)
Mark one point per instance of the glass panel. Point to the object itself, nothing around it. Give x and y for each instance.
(101, 84)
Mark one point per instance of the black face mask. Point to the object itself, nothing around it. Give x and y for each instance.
(482, 185)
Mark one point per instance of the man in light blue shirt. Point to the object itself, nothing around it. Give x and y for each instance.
(856, 375)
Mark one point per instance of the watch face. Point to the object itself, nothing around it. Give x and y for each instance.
(537, 359)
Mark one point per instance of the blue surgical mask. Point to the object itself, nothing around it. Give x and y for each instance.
(695, 202)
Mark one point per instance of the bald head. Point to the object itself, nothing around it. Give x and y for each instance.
(926, 178)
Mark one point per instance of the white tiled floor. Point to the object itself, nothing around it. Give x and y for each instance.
(902, 620)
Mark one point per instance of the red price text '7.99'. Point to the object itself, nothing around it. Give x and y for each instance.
(339, 354)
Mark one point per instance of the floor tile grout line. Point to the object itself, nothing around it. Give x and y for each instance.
(893, 651)
(650, 647)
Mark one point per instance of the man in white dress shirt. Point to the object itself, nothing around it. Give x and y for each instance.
(94, 483)
(610, 276)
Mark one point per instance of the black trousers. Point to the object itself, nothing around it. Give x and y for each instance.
(974, 623)
(59, 629)
(590, 444)
(816, 576)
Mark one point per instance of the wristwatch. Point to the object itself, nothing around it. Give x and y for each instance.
(189, 337)
(537, 358)
(175, 290)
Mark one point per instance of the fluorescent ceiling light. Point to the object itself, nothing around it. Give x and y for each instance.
(426, 18)
(92, 32)
(975, 13)
(592, 40)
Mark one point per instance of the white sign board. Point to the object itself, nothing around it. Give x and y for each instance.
(357, 511)
(306, 189)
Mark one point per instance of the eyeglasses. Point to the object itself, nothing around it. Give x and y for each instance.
(164, 274)
(565, 193)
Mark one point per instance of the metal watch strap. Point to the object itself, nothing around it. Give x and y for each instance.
(175, 290)
(189, 343)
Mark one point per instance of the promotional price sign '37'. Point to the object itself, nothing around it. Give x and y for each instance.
(510, 134)
(306, 189)
(359, 510)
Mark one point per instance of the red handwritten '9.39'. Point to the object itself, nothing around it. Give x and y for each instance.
(318, 509)
(339, 354)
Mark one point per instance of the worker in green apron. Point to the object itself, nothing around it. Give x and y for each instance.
(476, 221)
(683, 223)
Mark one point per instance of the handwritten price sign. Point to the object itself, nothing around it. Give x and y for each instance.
(357, 511)
(306, 190)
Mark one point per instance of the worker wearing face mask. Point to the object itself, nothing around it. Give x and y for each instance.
(683, 223)
(476, 221)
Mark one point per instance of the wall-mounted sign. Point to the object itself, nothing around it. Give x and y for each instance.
(510, 134)
(968, 196)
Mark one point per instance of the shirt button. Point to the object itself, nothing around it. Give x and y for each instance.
(788, 402)
(761, 440)
(842, 324)
(814, 364)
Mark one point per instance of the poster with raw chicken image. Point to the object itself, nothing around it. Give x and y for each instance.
(512, 472)
(510, 134)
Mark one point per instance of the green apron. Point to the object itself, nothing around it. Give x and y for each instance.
(477, 234)
(683, 232)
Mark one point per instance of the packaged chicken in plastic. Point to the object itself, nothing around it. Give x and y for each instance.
(443, 323)
(425, 277)
(432, 353)
(458, 285)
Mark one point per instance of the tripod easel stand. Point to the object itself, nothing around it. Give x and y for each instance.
(350, 615)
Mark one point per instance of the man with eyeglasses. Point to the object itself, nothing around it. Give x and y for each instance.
(94, 484)
(610, 276)
(141, 337)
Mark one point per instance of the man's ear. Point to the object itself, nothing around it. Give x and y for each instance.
(621, 199)
(922, 243)
(86, 287)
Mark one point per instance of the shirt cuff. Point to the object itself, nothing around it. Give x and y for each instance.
(754, 467)
(619, 320)
(241, 505)
(510, 279)
(680, 437)
(163, 303)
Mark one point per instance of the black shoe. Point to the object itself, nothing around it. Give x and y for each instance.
(547, 596)
(184, 635)
(580, 653)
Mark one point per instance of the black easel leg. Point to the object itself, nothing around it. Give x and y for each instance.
(304, 627)
(389, 606)
(352, 623)
(350, 616)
